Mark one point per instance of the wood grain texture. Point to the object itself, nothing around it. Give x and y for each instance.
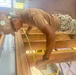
(2, 36)
(38, 40)
(55, 57)
(21, 59)
(59, 44)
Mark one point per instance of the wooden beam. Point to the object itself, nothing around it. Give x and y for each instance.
(36, 30)
(21, 59)
(39, 45)
(1, 39)
(39, 36)
(63, 40)
(38, 40)
(65, 44)
(56, 57)
(33, 30)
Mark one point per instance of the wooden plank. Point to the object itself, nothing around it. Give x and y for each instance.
(39, 36)
(65, 44)
(36, 30)
(33, 30)
(21, 59)
(37, 45)
(2, 36)
(38, 41)
(56, 57)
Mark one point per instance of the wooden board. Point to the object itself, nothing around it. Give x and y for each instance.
(1, 39)
(38, 40)
(55, 57)
(21, 59)
(42, 45)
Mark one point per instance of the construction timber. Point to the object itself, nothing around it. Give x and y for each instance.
(64, 50)
(1, 39)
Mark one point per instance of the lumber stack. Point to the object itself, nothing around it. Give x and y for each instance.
(38, 43)
(63, 52)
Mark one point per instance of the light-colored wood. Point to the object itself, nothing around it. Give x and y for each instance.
(36, 30)
(21, 59)
(38, 40)
(42, 45)
(40, 36)
(1, 39)
(56, 57)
